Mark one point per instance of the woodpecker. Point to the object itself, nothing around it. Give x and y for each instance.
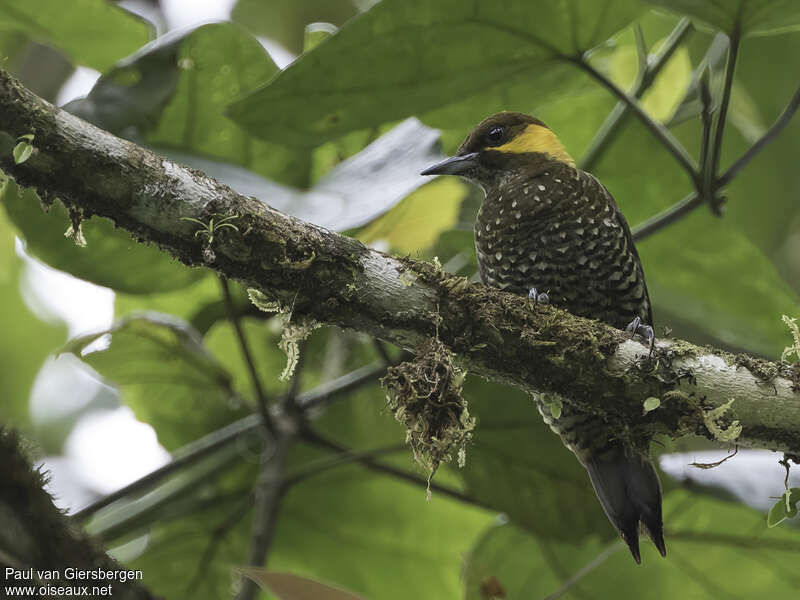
(551, 231)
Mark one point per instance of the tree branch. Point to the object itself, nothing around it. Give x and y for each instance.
(268, 496)
(34, 533)
(216, 440)
(334, 279)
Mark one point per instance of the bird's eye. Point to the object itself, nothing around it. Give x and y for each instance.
(495, 134)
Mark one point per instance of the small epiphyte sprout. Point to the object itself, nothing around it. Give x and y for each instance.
(213, 226)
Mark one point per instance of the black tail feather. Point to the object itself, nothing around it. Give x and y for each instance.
(627, 486)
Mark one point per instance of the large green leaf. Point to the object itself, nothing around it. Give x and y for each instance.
(26, 339)
(165, 373)
(404, 57)
(517, 465)
(375, 535)
(283, 21)
(94, 33)
(715, 549)
(762, 199)
(111, 258)
(751, 17)
(172, 94)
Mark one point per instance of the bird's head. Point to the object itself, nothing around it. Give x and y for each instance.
(505, 142)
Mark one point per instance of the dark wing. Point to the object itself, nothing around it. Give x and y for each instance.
(631, 246)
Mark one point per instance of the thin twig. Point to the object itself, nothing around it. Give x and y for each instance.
(258, 390)
(268, 495)
(672, 214)
(781, 122)
(184, 457)
(371, 464)
(715, 150)
(661, 133)
(647, 75)
(339, 460)
(706, 116)
(586, 569)
(216, 440)
(383, 352)
(325, 392)
(737, 541)
(217, 535)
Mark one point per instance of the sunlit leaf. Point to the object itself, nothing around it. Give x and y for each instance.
(416, 223)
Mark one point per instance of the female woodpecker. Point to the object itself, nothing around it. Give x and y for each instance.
(548, 230)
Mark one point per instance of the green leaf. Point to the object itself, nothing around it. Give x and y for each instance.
(751, 17)
(111, 258)
(346, 196)
(376, 535)
(651, 404)
(27, 340)
(165, 373)
(94, 33)
(288, 586)
(777, 514)
(170, 95)
(518, 466)
(283, 20)
(715, 549)
(22, 152)
(416, 223)
(422, 56)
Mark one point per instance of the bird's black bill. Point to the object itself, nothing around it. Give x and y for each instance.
(455, 165)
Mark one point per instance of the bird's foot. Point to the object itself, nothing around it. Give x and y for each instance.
(644, 330)
(538, 297)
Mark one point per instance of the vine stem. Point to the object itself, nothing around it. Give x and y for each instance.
(715, 150)
(661, 133)
(258, 390)
(780, 123)
(648, 72)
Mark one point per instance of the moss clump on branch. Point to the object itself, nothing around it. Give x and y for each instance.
(425, 395)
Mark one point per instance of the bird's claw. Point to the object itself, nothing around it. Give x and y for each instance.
(538, 297)
(644, 330)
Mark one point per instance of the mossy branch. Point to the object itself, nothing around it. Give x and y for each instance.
(334, 279)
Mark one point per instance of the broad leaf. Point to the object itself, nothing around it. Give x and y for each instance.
(283, 20)
(27, 339)
(405, 57)
(520, 467)
(110, 258)
(94, 33)
(714, 549)
(356, 191)
(165, 374)
(750, 17)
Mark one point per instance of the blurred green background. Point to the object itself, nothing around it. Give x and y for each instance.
(302, 103)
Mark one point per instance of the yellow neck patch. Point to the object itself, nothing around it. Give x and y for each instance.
(535, 138)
